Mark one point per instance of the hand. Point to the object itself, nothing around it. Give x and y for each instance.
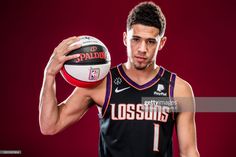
(58, 57)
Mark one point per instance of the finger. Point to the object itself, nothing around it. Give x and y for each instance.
(67, 42)
(72, 47)
(66, 58)
(68, 39)
(64, 47)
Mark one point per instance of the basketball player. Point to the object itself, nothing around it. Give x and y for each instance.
(128, 127)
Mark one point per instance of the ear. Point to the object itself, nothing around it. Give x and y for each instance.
(162, 42)
(125, 38)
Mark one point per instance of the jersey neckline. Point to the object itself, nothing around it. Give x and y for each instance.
(134, 84)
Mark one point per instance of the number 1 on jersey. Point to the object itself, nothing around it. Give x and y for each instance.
(156, 137)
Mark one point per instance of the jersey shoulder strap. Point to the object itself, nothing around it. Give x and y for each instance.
(169, 78)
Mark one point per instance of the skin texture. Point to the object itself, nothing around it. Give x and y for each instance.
(143, 43)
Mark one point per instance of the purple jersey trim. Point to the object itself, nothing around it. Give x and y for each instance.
(172, 84)
(159, 74)
(108, 92)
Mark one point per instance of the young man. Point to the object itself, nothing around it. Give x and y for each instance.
(128, 128)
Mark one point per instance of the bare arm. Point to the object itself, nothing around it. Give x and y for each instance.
(186, 129)
(54, 117)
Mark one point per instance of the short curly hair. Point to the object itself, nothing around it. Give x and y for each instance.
(149, 14)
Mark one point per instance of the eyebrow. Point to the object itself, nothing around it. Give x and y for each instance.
(136, 36)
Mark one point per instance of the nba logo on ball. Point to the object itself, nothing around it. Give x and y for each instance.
(94, 73)
(92, 65)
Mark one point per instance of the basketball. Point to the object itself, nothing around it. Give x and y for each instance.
(92, 65)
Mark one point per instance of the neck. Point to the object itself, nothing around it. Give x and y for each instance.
(141, 76)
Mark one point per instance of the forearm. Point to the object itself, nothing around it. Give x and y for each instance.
(191, 153)
(48, 109)
(187, 135)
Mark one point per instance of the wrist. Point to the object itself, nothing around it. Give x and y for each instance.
(49, 75)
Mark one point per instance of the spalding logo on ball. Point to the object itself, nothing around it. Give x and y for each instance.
(91, 67)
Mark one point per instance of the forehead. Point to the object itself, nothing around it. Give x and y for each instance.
(143, 31)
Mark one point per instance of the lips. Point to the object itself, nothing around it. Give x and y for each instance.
(140, 58)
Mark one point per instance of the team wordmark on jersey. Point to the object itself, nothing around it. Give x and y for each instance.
(139, 112)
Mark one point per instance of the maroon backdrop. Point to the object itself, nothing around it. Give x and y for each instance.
(200, 49)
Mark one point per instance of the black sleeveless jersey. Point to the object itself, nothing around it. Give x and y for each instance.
(132, 123)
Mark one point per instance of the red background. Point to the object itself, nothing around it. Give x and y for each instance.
(200, 49)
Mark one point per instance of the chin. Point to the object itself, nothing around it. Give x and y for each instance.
(140, 66)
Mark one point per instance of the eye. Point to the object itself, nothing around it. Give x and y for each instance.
(151, 42)
(135, 39)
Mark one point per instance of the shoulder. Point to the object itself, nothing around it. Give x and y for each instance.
(183, 95)
(182, 88)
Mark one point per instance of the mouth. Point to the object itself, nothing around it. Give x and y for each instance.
(140, 58)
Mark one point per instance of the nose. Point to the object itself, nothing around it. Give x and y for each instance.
(142, 47)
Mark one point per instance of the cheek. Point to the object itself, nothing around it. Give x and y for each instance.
(131, 48)
(153, 53)
(128, 47)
